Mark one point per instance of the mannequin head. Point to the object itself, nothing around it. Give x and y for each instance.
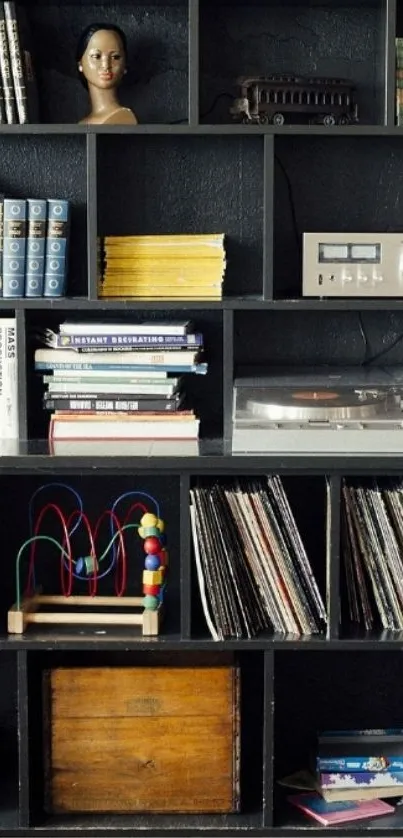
(102, 56)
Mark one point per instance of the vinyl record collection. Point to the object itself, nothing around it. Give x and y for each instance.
(372, 543)
(252, 567)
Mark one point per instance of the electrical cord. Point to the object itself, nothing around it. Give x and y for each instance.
(292, 202)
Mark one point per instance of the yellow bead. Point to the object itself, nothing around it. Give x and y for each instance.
(152, 577)
(149, 520)
(160, 524)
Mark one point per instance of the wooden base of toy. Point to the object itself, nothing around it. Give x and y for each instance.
(20, 618)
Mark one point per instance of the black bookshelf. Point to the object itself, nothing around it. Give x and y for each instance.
(146, 178)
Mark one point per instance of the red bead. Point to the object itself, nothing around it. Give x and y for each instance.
(152, 544)
(151, 589)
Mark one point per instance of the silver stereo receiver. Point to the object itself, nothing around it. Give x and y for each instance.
(352, 265)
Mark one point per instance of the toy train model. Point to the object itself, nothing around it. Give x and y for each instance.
(281, 98)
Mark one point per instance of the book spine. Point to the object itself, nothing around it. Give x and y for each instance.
(1, 242)
(121, 330)
(119, 343)
(108, 404)
(8, 379)
(57, 240)
(14, 247)
(17, 67)
(35, 265)
(362, 779)
(5, 72)
(3, 117)
(199, 369)
(359, 764)
(28, 65)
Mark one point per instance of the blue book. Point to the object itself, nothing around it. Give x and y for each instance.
(359, 764)
(1, 242)
(119, 342)
(40, 366)
(14, 247)
(35, 265)
(57, 241)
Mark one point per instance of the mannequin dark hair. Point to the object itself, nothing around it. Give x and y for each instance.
(86, 36)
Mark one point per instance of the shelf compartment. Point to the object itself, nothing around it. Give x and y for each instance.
(98, 494)
(204, 393)
(284, 338)
(305, 494)
(335, 185)
(251, 708)
(51, 167)
(320, 39)
(156, 85)
(9, 738)
(188, 185)
(324, 704)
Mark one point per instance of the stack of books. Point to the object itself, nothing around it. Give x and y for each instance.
(252, 568)
(163, 267)
(372, 545)
(399, 81)
(352, 770)
(119, 381)
(18, 88)
(34, 247)
(359, 764)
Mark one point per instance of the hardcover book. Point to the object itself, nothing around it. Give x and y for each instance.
(35, 267)
(333, 813)
(14, 247)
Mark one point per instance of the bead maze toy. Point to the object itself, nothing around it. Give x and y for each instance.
(94, 566)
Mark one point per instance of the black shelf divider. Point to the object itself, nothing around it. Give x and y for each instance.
(390, 62)
(268, 216)
(23, 739)
(228, 374)
(22, 373)
(268, 739)
(92, 216)
(185, 557)
(193, 63)
(333, 555)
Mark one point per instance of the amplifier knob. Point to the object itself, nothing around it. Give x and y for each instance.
(362, 278)
(346, 277)
(377, 278)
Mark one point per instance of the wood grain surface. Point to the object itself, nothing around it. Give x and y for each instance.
(142, 739)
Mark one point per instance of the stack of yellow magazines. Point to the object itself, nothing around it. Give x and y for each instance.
(163, 267)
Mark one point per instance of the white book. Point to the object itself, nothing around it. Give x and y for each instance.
(69, 356)
(62, 427)
(98, 388)
(149, 328)
(100, 374)
(9, 428)
(124, 448)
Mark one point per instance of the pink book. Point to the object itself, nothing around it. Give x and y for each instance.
(339, 812)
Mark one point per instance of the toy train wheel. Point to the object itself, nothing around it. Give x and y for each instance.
(343, 120)
(263, 119)
(329, 119)
(278, 119)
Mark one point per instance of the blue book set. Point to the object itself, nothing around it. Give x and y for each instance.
(34, 244)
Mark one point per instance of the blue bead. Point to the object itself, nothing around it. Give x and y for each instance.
(80, 566)
(152, 562)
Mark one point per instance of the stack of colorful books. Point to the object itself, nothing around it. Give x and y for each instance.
(163, 267)
(120, 381)
(360, 764)
(352, 771)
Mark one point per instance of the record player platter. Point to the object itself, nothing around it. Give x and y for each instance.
(317, 405)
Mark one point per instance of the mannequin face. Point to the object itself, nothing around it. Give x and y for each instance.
(103, 63)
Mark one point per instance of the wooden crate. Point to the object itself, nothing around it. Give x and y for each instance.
(152, 739)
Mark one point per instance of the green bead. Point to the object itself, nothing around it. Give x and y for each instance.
(150, 531)
(150, 602)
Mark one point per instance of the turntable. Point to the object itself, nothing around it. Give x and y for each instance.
(317, 412)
